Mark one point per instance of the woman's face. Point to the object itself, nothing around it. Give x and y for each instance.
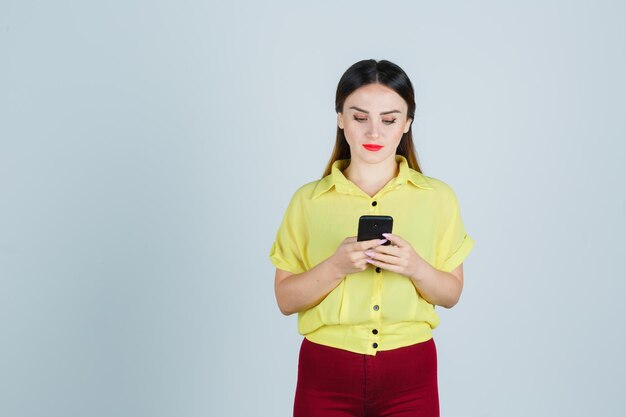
(373, 120)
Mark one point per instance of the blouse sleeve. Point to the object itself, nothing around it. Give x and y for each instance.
(455, 244)
(287, 252)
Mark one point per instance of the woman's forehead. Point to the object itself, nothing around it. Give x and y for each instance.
(374, 97)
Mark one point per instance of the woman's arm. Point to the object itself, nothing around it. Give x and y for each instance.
(435, 286)
(298, 292)
(439, 287)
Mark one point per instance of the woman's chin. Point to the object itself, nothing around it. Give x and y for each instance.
(374, 157)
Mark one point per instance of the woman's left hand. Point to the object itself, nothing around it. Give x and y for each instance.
(399, 257)
(435, 286)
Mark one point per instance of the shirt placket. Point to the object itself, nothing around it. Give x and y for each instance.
(377, 278)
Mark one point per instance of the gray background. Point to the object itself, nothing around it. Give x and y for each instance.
(148, 150)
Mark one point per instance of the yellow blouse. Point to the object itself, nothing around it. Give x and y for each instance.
(375, 309)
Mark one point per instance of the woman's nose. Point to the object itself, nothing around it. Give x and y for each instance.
(373, 129)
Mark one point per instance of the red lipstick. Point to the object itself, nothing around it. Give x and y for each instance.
(372, 147)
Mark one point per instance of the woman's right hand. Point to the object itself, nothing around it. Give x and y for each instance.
(299, 292)
(350, 256)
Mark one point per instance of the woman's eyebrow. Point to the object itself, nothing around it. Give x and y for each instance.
(382, 113)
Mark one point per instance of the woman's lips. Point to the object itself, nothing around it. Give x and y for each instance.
(372, 147)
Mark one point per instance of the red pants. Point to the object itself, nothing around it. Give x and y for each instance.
(337, 383)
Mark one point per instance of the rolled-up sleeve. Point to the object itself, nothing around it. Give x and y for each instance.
(454, 244)
(287, 252)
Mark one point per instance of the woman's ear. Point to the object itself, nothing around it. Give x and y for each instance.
(340, 120)
(407, 126)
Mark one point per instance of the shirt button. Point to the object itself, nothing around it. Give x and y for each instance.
(378, 269)
(374, 345)
(374, 203)
(376, 308)
(375, 331)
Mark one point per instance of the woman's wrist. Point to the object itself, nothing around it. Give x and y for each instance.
(421, 271)
(332, 269)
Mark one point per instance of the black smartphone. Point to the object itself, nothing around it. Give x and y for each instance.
(373, 227)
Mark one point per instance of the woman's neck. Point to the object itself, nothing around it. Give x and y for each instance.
(371, 178)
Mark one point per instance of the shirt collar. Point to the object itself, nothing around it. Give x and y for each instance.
(343, 185)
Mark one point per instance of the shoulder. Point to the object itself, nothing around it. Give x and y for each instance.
(441, 195)
(306, 191)
(444, 198)
(303, 195)
(439, 186)
(434, 185)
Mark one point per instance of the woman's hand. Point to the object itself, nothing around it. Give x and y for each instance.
(399, 257)
(299, 292)
(351, 256)
(435, 286)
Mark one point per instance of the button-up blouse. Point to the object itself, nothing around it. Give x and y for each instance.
(374, 309)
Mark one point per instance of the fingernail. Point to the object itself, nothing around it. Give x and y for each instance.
(369, 253)
(381, 241)
(387, 235)
(369, 261)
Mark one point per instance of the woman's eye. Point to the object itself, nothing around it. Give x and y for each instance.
(363, 119)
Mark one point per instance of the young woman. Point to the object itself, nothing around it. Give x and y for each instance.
(366, 309)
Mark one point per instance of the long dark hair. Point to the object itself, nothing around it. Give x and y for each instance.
(370, 71)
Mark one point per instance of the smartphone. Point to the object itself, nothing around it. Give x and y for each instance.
(373, 227)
